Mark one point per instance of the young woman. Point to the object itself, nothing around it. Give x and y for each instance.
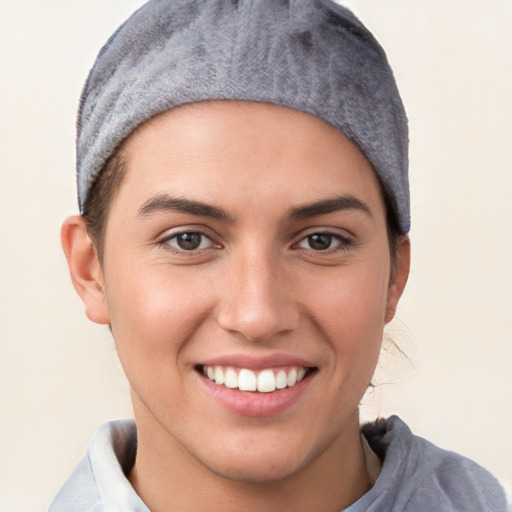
(242, 179)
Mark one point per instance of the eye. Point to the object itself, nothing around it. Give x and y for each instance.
(189, 241)
(322, 242)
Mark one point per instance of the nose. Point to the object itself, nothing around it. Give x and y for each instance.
(257, 298)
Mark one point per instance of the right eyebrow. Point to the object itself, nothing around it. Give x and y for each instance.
(329, 205)
(164, 202)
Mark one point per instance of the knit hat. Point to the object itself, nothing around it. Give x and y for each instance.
(310, 55)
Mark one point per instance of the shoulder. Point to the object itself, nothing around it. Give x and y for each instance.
(79, 492)
(99, 480)
(417, 475)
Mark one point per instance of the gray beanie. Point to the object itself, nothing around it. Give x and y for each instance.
(310, 55)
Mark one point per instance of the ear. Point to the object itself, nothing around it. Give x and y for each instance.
(84, 268)
(401, 273)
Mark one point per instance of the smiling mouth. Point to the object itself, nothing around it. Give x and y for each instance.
(263, 381)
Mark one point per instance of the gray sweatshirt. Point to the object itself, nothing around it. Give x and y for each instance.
(416, 476)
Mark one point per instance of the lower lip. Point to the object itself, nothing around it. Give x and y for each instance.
(254, 404)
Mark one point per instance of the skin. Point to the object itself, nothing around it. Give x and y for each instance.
(255, 287)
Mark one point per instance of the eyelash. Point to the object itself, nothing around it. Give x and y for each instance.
(166, 242)
(342, 243)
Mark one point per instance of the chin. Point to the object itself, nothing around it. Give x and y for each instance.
(260, 470)
(260, 461)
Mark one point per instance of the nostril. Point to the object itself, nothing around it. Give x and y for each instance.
(258, 323)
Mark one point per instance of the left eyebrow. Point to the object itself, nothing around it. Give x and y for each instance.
(330, 205)
(164, 202)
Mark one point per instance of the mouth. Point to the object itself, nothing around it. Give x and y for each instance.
(266, 380)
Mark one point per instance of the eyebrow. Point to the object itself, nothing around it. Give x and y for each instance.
(330, 205)
(164, 202)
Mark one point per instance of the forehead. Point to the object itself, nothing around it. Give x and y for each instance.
(227, 150)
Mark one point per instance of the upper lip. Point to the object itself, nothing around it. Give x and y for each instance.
(257, 363)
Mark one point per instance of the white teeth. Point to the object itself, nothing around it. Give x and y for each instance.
(246, 380)
(219, 375)
(266, 381)
(281, 379)
(292, 377)
(231, 379)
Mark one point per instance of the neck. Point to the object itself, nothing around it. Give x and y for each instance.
(169, 478)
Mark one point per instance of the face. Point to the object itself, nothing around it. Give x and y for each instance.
(246, 280)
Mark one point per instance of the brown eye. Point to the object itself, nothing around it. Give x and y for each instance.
(319, 241)
(189, 241)
(323, 242)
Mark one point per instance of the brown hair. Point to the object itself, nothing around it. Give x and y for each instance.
(100, 197)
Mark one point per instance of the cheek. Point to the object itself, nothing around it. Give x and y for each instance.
(354, 299)
(352, 317)
(152, 313)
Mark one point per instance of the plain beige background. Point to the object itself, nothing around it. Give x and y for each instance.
(59, 376)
